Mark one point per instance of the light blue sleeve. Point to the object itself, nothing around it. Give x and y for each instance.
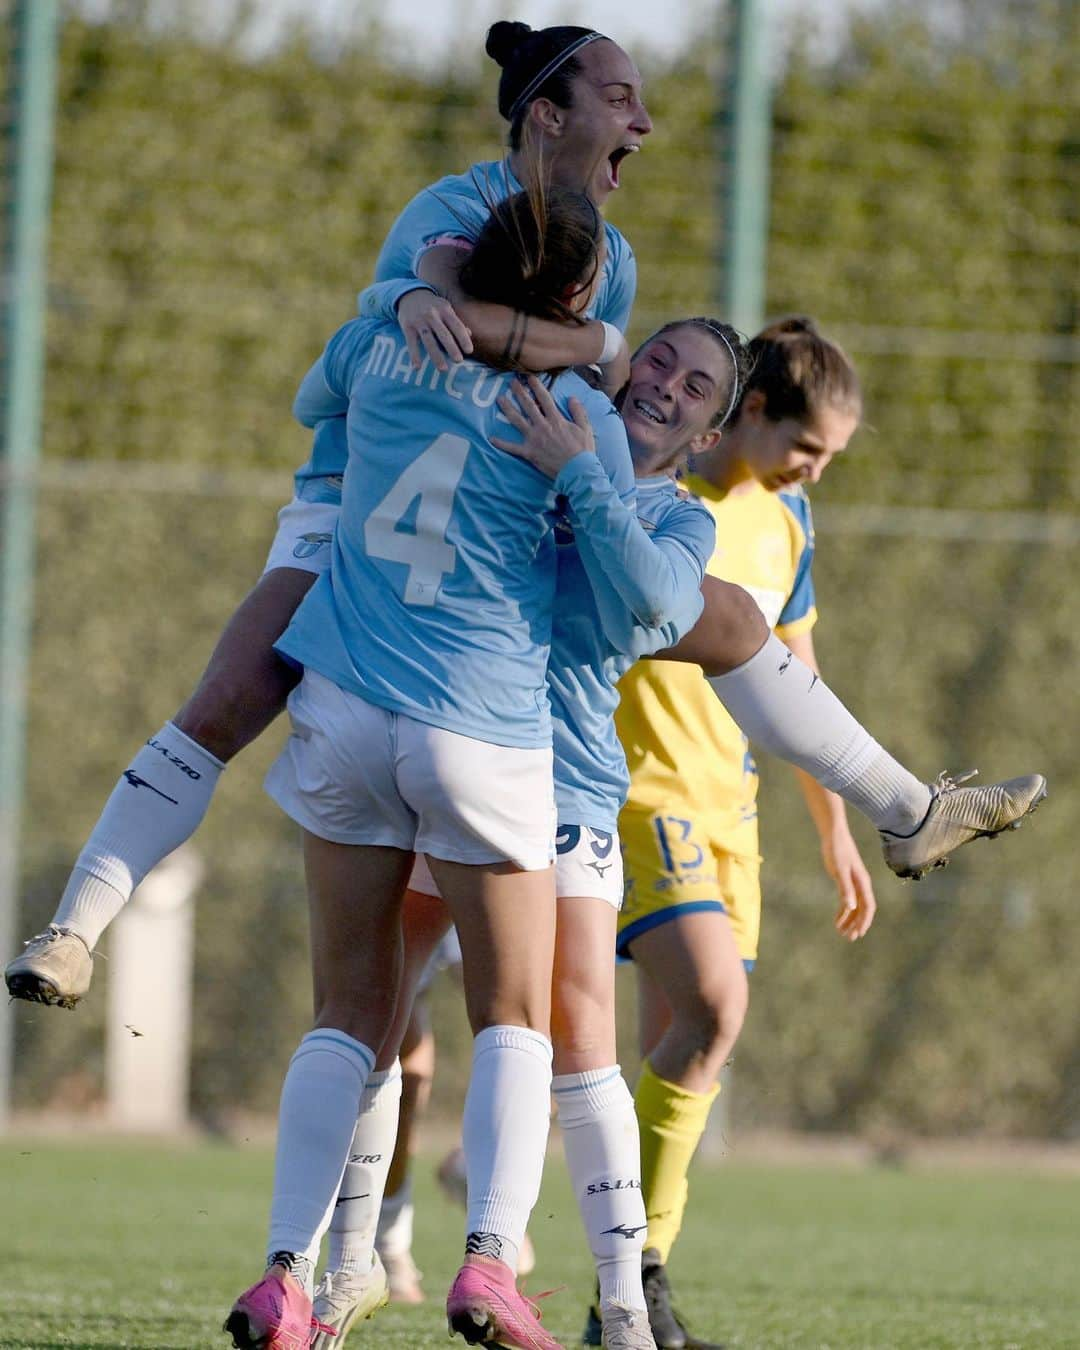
(672, 578)
(324, 390)
(637, 578)
(442, 209)
(640, 641)
(618, 301)
(802, 600)
(315, 400)
(380, 300)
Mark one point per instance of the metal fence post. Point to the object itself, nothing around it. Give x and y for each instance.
(31, 86)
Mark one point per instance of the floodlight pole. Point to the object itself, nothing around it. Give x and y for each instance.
(746, 123)
(31, 88)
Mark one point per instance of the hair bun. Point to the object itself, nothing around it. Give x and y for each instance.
(797, 323)
(504, 38)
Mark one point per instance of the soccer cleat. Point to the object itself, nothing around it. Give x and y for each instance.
(486, 1307)
(55, 968)
(959, 814)
(342, 1299)
(403, 1277)
(625, 1328)
(668, 1329)
(274, 1314)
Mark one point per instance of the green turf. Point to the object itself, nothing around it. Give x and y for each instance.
(110, 1245)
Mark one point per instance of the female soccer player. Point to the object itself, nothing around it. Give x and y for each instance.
(421, 723)
(605, 616)
(672, 387)
(573, 101)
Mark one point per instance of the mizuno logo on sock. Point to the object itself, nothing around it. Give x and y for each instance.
(342, 1198)
(137, 782)
(624, 1230)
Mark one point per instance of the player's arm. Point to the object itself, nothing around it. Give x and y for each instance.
(500, 335)
(650, 582)
(315, 401)
(839, 851)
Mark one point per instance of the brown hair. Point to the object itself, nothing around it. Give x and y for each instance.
(527, 55)
(538, 250)
(800, 372)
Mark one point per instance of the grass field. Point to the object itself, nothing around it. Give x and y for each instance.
(132, 1245)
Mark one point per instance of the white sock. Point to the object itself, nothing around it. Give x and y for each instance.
(785, 708)
(603, 1152)
(394, 1233)
(157, 804)
(504, 1135)
(320, 1102)
(351, 1237)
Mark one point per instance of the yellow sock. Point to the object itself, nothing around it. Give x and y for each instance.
(671, 1120)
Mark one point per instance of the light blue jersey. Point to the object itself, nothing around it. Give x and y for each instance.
(621, 595)
(438, 602)
(456, 206)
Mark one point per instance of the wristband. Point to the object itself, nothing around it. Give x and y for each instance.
(613, 344)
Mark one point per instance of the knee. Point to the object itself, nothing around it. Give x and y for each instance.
(712, 1021)
(231, 706)
(213, 714)
(743, 629)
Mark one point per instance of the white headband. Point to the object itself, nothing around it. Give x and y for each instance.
(549, 70)
(704, 323)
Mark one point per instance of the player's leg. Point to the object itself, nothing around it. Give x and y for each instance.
(486, 823)
(356, 1282)
(163, 794)
(394, 1231)
(505, 919)
(786, 708)
(595, 1107)
(690, 923)
(354, 896)
(335, 777)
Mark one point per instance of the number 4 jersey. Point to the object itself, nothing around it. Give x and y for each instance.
(439, 597)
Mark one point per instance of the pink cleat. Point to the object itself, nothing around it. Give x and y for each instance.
(486, 1307)
(274, 1314)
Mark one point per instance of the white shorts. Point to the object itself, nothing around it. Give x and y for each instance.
(354, 773)
(588, 865)
(305, 531)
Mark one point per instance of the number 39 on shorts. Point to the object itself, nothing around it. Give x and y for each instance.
(431, 480)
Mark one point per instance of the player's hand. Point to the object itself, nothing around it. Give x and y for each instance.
(549, 440)
(432, 329)
(853, 885)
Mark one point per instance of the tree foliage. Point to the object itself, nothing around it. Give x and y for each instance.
(214, 217)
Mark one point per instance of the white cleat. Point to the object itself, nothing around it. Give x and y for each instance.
(625, 1328)
(342, 1299)
(959, 814)
(55, 967)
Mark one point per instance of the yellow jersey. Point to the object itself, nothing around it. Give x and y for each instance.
(685, 754)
